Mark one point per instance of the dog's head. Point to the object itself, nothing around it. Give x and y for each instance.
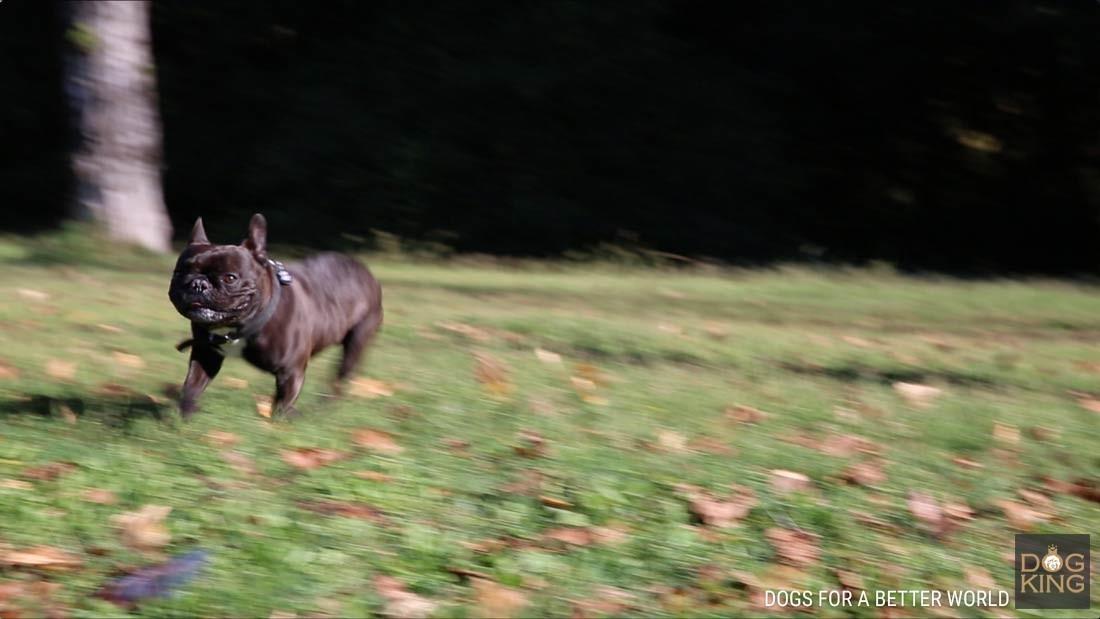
(222, 285)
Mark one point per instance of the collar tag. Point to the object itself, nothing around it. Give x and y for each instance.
(284, 276)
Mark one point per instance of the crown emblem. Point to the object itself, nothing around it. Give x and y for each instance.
(1052, 562)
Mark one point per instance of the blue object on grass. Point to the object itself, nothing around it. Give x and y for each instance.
(154, 581)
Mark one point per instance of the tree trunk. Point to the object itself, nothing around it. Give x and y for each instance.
(111, 86)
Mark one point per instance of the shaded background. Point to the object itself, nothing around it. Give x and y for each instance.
(938, 135)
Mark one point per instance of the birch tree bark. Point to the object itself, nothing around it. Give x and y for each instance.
(110, 84)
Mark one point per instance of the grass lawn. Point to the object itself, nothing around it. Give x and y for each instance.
(551, 440)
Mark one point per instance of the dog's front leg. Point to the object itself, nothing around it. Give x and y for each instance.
(203, 367)
(288, 384)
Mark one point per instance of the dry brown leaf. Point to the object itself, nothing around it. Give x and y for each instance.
(144, 529)
(33, 295)
(672, 441)
(235, 383)
(786, 482)
(979, 578)
(604, 600)
(263, 406)
(221, 439)
(531, 445)
(958, 512)
(60, 369)
(99, 496)
(16, 484)
(1021, 517)
(47, 558)
(49, 472)
(1090, 404)
(491, 373)
(240, 462)
(1006, 433)
(7, 371)
(1042, 434)
(400, 602)
(1037, 499)
(370, 388)
(967, 463)
(857, 341)
(308, 458)
(846, 445)
(547, 357)
(796, 548)
(344, 509)
(719, 512)
(867, 473)
(373, 476)
(917, 395)
(555, 502)
(474, 333)
(378, 441)
(926, 509)
(740, 413)
(495, 600)
(576, 536)
(128, 360)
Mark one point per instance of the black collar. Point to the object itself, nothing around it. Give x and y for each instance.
(252, 326)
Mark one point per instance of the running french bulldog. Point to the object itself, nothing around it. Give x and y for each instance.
(276, 317)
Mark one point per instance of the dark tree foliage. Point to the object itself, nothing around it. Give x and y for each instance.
(935, 134)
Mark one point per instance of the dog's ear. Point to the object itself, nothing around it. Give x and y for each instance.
(198, 234)
(257, 237)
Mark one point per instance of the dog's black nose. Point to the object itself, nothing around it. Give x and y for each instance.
(199, 284)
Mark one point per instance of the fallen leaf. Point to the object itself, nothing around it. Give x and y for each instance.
(99, 496)
(32, 295)
(958, 512)
(128, 360)
(745, 414)
(1021, 517)
(1036, 499)
(344, 509)
(370, 388)
(495, 600)
(144, 529)
(706, 444)
(796, 548)
(221, 439)
(604, 600)
(1090, 404)
(48, 558)
(1042, 434)
(917, 395)
(7, 371)
(716, 330)
(672, 441)
(400, 602)
(787, 482)
(867, 473)
(555, 502)
(240, 462)
(474, 333)
(308, 458)
(61, 370)
(235, 383)
(926, 509)
(377, 440)
(846, 445)
(263, 406)
(967, 463)
(16, 484)
(719, 512)
(576, 536)
(49, 472)
(665, 327)
(491, 373)
(857, 341)
(978, 578)
(373, 476)
(547, 357)
(1005, 433)
(108, 328)
(531, 445)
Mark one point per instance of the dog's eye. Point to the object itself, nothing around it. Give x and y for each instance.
(229, 278)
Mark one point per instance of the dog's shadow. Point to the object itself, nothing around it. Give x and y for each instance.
(117, 409)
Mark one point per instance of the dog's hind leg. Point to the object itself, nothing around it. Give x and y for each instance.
(355, 342)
